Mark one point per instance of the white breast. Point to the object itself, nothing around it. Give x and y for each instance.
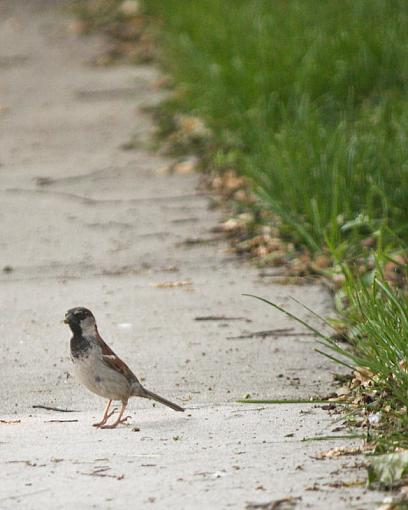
(99, 378)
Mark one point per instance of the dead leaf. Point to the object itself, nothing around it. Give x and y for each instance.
(403, 364)
(171, 285)
(321, 262)
(277, 504)
(314, 487)
(185, 167)
(232, 181)
(78, 27)
(192, 127)
(363, 374)
(346, 484)
(395, 271)
(231, 225)
(338, 451)
(129, 7)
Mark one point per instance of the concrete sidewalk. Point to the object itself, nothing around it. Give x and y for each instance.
(84, 222)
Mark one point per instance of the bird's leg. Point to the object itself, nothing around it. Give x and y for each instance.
(106, 416)
(119, 419)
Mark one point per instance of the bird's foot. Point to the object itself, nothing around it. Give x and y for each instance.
(99, 424)
(115, 424)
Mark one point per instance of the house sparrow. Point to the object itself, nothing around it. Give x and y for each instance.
(101, 370)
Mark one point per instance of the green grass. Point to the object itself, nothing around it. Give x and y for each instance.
(308, 99)
(377, 317)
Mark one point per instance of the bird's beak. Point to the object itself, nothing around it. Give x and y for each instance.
(67, 318)
(66, 321)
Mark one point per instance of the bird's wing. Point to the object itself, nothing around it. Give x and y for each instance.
(104, 346)
(115, 363)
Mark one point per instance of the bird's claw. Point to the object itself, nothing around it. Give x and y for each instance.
(114, 425)
(100, 424)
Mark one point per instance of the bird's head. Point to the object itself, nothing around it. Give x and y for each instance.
(81, 321)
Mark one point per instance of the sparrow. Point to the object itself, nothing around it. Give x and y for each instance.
(100, 370)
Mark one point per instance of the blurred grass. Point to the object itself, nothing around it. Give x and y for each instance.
(308, 99)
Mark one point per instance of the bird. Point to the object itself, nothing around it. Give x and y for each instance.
(100, 370)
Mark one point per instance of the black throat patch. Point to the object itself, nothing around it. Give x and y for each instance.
(79, 346)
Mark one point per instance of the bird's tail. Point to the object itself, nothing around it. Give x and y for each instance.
(157, 398)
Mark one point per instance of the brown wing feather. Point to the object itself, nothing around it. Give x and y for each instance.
(105, 347)
(120, 366)
(113, 361)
